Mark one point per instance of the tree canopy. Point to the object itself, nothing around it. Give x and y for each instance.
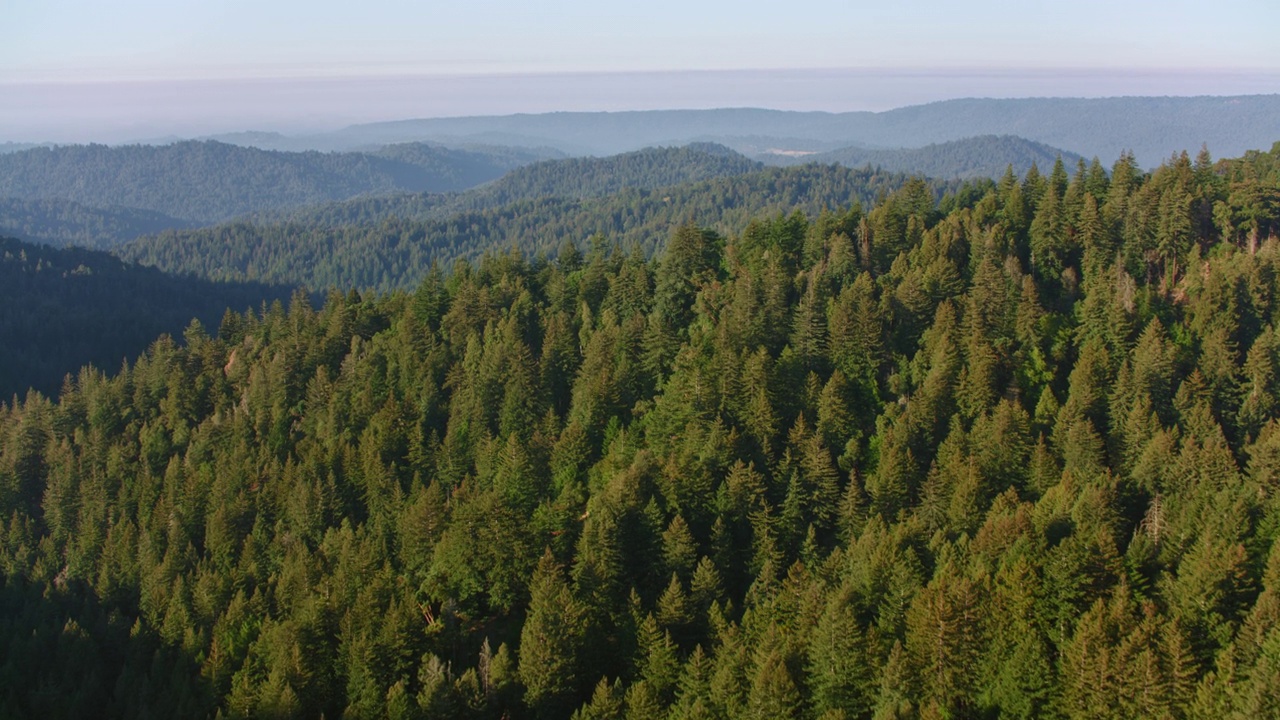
(1010, 454)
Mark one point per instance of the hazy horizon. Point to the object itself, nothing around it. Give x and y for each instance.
(79, 70)
(157, 110)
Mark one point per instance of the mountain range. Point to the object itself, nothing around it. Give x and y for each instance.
(95, 196)
(100, 196)
(1153, 128)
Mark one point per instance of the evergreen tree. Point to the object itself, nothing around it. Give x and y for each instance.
(551, 643)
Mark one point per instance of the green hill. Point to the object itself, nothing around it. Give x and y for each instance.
(61, 309)
(568, 178)
(386, 252)
(595, 177)
(63, 222)
(988, 156)
(209, 181)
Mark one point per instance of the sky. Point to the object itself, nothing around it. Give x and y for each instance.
(79, 67)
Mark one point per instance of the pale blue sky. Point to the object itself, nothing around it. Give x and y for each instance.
(115, 70)
(79, 40)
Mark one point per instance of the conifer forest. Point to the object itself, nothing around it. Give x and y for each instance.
(987, 449)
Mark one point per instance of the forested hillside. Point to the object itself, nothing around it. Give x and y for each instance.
(367, 244)
(565, 178)
(63, 309)
(593, 177)
(63, 222)
(987, 156)
(210, 181)
(1014, 456)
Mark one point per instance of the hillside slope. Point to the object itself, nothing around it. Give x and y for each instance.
(65, 222)
(61, 309)
(986, 156)
(387, 252)
(210, 181)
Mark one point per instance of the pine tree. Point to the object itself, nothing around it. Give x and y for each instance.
(605, 703)
(773, 692)
(944, 640)
(551, 643)
(841, 676)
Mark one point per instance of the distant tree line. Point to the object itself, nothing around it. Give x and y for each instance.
(985, 156)
(386, 251)
(206, 181)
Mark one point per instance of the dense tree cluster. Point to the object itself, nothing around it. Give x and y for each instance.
(985, 156)
(594, 177)
(63, 309)
(1014, 455)
(63, 222)
(371, 244)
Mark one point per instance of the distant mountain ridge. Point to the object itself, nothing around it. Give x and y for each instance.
(406, 167)
(984, 156)
(651, 168)
(1152, 127)
(98, 196)
(568, 178)
(594, 176)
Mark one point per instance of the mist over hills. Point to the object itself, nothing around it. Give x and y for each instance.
(1152, 127)
(99, 196)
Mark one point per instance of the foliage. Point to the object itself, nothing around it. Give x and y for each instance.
(902, 463)
(62, 222)
(985, 156)
(372, 246)
(207, 181)
(63, 309)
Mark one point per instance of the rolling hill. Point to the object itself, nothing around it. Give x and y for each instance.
(569, 178)
(389, 252)
(64, 222)
(209, 181)
(984, 156)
